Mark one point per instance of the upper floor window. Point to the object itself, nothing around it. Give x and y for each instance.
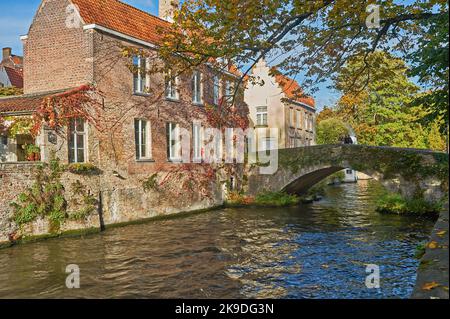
(216, 90)
(142, 132)
(141, 83)
(77, 141)
(261, 116)
(172, 85)
(305, 117)
(173, 142)
(229, 91)
(299, 119)
(197, 133)
(197, 88)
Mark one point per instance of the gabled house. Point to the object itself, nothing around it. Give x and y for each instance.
(276, 101)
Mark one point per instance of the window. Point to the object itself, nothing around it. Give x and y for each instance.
(261, 116)
(229, 91)
(141, 83)
(171, 86)
(197, 143)
(216, 90)
(305, 117)
(173, 142)
(197, 88)
(349, 172)
(143, 139)
(291, 118)
(77, 141)
(299, 119)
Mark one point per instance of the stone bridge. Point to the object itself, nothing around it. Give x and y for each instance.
(411, 172)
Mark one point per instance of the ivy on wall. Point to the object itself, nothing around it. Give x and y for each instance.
(46, 198)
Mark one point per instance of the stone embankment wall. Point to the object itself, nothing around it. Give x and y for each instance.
(432, 276)
(119, 200)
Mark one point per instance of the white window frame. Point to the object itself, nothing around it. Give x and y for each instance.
(172, 86)
(140, 80)
(291, 117)
(197, 138)
(262, 116)
(75, 134)
(299, 119)
(174, 136)
(148, 142)
(197, 88)
(229, 91)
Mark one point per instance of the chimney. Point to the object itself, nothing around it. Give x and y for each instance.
(166, 9)
(6, 53)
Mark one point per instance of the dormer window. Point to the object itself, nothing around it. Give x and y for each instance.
(141, 77)
(172, 86)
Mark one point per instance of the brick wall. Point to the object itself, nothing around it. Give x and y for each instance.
(55, 56)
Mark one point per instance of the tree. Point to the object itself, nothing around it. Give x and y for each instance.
(430, 65)
(311, 38)
(380, 109)
(331, 131)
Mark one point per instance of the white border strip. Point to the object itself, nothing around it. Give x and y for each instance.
(118, 34)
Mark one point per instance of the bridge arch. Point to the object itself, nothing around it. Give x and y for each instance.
(410, 172)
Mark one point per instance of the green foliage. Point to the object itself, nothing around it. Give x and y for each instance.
(20, 125)
(265, 198)
(10, 91)
(378, 106)
(314, 38)
(276, 199)
(151, 183)
(396, 204)
(32, 149)
(331, 131)
(430, 65)
(85, 199)
(45, 198)
(83, 168)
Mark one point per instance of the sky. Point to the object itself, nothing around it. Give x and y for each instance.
(16, 17)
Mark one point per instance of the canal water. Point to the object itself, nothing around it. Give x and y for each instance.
(314, 251)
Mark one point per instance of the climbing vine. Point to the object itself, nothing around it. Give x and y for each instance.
(57, 110)
(46, 198)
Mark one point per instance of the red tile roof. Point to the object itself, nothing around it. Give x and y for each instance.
(121, 17)
(293, 90)
(23, 103)
(15, 76)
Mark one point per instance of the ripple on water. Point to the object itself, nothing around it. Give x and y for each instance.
(315, 251)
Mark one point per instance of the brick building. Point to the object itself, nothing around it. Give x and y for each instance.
(280, 104)
(72, 43)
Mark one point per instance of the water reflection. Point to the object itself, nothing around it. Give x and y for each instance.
(317, 251)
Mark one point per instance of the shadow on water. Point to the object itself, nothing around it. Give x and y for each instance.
(316, 251)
